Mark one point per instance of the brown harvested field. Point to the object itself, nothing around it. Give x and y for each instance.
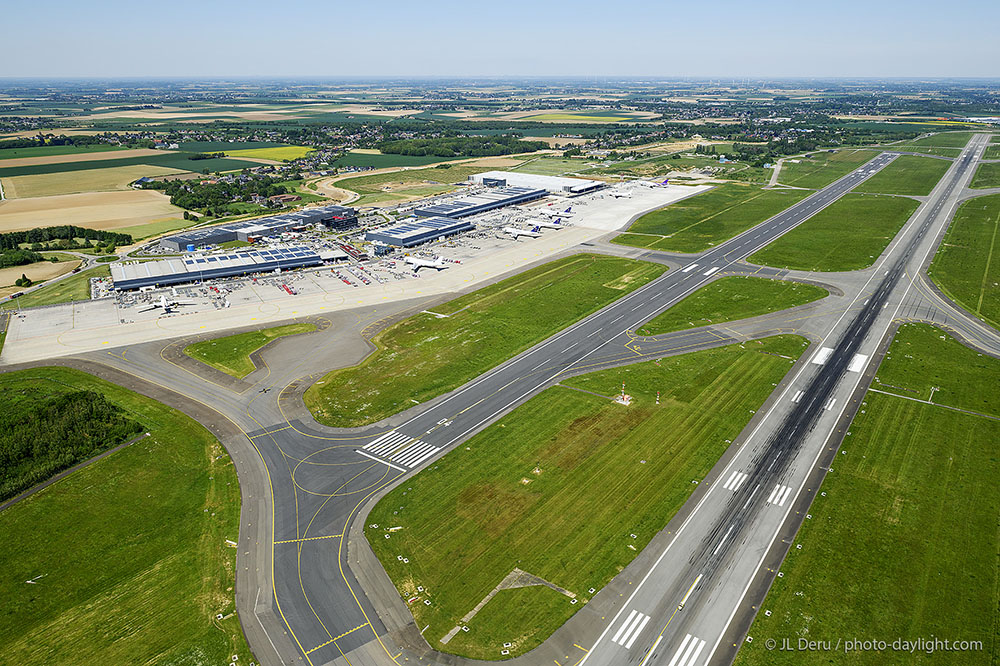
(95, 210)
(87, 180)
(43, 270)
(79, 157)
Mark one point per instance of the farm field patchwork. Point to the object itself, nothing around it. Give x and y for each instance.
(281, 153)
(43, 154)
(731, 299)
(146, 526)
(822, 168)
(80, 182)
(910, 513)
(907, 175)
(569, 487)
(428, 356)
(967, 264)
(231, 354)
(710, 218)
(848, 235)
(161, 159)
(987, 175)
(96, 210)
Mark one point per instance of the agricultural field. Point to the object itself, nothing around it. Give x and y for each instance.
(146, 527)
(987, 175)
(80, 182)
(731, 299)
(848, 235)
(280, 153)
(231, 354)
(97, 210)
(710, 218)
(37, 272)
(888, 517)
(822, 168)
(73, 288)
(569, 487)
(588, 116)
(552, 166)
(402, 185)
(63, 153)
(907, 175)
(377, 160)
(161, 160)
(428, 356)
(967, 265)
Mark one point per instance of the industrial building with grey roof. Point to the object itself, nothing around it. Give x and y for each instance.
(417, 231)
(563, 185)
(481, 202)
(335, 217)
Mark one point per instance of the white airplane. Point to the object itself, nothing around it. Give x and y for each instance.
(618, 194)
(515, 232)
(418, 263)
(166, 306)
(545, 224)
(557, 213)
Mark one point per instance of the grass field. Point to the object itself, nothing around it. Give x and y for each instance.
(401, 181)
(231, 354)
(992, 153)
(904, 544)
(120, 211)
(381, 161)
(822, 168)
(967, 265)
(569, 487)
(908, 175)
(552, 166)
(710, 218)
(927, 150)
(427, 356)
(131, 549)
(49, 151)
(280, 153)
(74, 288)
(848, 235)
(731, 299)
(77, 182)
(155, 227)
(42, 270)
(944, 139)
(987, 175)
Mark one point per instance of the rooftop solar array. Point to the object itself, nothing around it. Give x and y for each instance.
(418, 231)
(478, 203)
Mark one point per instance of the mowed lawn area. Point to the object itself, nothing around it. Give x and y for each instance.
(848, 235)
(570, 487)
(822, 168)
(73, 288)
(967, 265)
(129, 554)
(908, 175)
(991, 153)
(424, 356)
(904, 543)
(944, 139)
(730, 299)
(987, 175)
(231, 354)
(703, 221)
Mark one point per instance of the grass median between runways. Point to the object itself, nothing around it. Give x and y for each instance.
(731, 299)
(128, 556)
(904, 542)
(987, 175)
(907, 175)
(231, 354)
(708, 219)
(570, 487)
(848, 235)
(822, 168)
(967, 265)
(427, 355)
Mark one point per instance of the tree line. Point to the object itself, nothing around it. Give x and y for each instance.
(212, 198)
(461, 146)
(43, 434)
(35, 141)
(12, 240)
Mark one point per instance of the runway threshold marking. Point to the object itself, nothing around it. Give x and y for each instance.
(736, 480)
(822, 356)
(315, 538)
(687, 654)
(361, 626)
(630, 629)
(779, 495)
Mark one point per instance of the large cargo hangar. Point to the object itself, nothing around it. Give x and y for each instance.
(554, 184)
(418, 231)
(337, 218)
(193, 268)
(480, 203)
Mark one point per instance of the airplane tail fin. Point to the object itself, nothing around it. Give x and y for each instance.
(535, 230)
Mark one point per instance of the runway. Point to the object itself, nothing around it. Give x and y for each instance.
(308, 588)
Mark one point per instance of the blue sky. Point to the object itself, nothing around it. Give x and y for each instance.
(500, 38)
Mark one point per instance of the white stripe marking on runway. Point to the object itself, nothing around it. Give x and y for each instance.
(711, 270)
(857, 363)
(822, 356)
(635, 634)
(690, 268)
(380, 460)
(797, 396)
(624, 624)
(677, 655)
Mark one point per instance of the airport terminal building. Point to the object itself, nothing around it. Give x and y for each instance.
(337, 218)
(195, 268)
(418, 231)
(482, 202)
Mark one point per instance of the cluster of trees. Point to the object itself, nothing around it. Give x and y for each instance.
(18, 257)
(462, 146)
(23, 281)
(213, 198)
(35, 141)
(42, 434)
(206, 156)
(40, 237)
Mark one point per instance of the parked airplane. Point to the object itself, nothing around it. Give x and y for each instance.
(545, 224)
(165, 305)
(515, 232)
(618, 194)
(419, 262)
(557, 213)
